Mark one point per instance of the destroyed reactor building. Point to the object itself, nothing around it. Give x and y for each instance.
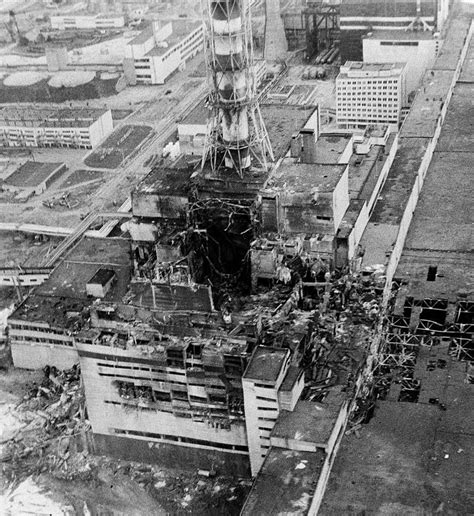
(246, 312)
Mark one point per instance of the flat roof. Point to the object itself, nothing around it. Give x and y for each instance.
(422, 119)
(198, 115)
(385, 8)
(458, 127)
(365, 169)
(400, 35)
(266, 363)
(305, 177)
(310, 421)
(329, 147)
(455, 33)
(281, 121)
(71, 276)
(394, 195)
(181, 29)
(442, 220)
(166, 180)
(285, 484)
(467, 73)
(32, 173)
(143, 37)
(411, 458)
(353, 68)
(102, 277)
(49, 117)
(440, 233)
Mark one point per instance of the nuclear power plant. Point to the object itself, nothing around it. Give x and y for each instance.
(263, 304)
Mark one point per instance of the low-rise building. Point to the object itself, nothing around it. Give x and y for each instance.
(87, 22)
(159, 51)
(370, 93)
(33, 177)
(31, 127)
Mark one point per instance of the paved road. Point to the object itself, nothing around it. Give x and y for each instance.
(129, 174)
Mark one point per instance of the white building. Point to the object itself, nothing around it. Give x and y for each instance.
(77, 128)
(87, 22)
(370, 93)
(159, 51)
(270, 385)
(418, 49)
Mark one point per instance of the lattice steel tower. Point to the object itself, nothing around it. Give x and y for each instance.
(237, 138)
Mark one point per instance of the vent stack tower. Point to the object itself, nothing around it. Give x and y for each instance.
(237, 138)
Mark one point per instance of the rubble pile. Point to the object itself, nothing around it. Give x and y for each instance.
(52, 428)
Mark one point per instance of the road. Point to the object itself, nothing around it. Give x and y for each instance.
(127, 176)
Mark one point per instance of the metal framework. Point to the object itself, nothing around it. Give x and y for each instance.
(321, 23)
(236, 136)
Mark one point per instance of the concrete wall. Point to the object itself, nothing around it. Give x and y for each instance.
(168, 455)
(340, 199)
(418, 58)
(101, 128)
(32, 355)
(261, 415)
(112, 415)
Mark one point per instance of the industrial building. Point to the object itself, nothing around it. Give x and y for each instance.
(265, 303)
(39, 127)
(418, 49)
(370, 93)
(360, 17)
(158, 51)
(87, 22)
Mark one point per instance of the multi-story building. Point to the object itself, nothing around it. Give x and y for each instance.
(158, 52)
(77, 128)
(270, 385)
(370, 93)
(418, 49)
(87, 22)
(359, 17)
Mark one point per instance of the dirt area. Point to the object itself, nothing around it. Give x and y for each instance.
(58, 474)
(81, 176)
(120, 145)
(324, 91)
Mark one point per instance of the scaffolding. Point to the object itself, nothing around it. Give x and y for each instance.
(236, 137)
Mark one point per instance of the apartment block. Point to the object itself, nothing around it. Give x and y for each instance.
(76, 128)
(370, 93)
(159, 51)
